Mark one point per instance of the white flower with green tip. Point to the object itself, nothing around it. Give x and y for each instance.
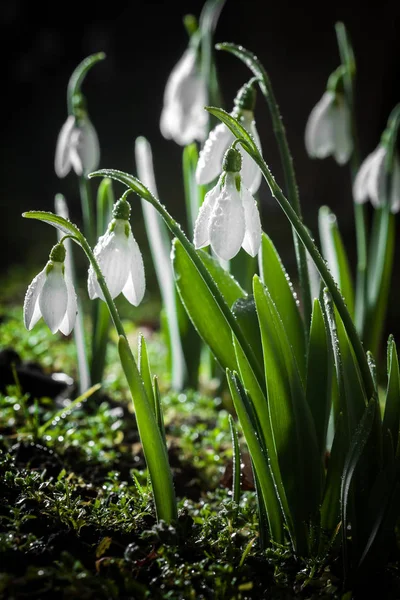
(77, 148)
(371, 180)
(328, 129)
(209, 165)
(119, 259)
(51, 295)
(228, 218)
(183, 117)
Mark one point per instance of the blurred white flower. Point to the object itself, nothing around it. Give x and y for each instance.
(77, 147)
(209, 165)
(328, 129)
(183, 117)
(371, 180)
(121, 263)
(228, 218)
(51, 295)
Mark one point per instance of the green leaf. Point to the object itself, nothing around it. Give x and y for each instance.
(159, 411)
(105, 203)
(245, 312)
(194, 194)
(330, 508)
(391, 417)
(78, 76)
(319, 376)
(334, 253)
(154, 448)
(235, 461)
(259, 458)
(202, 306)
(291, 420)
(356, 449)
(145, 372)
(277, 281)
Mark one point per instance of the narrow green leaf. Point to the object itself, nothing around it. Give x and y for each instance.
(356, 449)
(159, 411)
(391, 417)
(236, 461)
(291, 420)
(145, 372)
(260, 460)
(60, 223)
(330, 507)
(277, 281)
(194, 194)
(199, 301)
(319, 376)
(245, 312)
(69, 408)
(105, 203)
(154, 448)
(334, 252)
(79, 74)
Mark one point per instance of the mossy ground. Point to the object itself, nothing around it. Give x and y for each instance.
(76, 513)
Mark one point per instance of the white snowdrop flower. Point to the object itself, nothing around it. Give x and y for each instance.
(328, 129)
(51, 295)
(371, 179)
(228, 218)
(119, 259)
(183, 117)
(209, 165)
(77, 147)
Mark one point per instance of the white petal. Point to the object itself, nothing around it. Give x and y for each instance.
(377, 178)
(62, 163)
(74, 157)
(342, 132)
(201, 229)
(250, 172)
(68, 322)
(209, 165)
(252, 237)
(360, 187)
(112, 254)
(53, 299)
(395, 195)
(183, 117)
(93, 286)
(227, 225)
(319, 136)
(88, 147)
(32, 312)
(135, 285)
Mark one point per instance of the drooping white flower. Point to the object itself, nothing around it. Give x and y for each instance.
(209, 165)
(371, 180)
(77, 147)
(183, 117)
(328, 129)
(228, 218)
(119, 259)
(51, 295)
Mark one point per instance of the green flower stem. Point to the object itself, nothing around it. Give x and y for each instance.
(77, 77)
(154, 448)
(156, 454)
(87, 209)
(348, 61)
(288, 170)
(250, 147)
(135, 185)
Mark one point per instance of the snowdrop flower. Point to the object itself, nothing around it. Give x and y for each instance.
(77, 144)
(371, 180)
(183, 117)
(51, 295)
(209, 165)
(228, 218)
(328, 129)
(119, 259)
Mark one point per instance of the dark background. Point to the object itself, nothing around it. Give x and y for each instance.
(43, 42)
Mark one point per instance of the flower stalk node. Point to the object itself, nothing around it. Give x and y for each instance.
(232, 161)
(246, 96)
(57, 253)
(122, 209)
